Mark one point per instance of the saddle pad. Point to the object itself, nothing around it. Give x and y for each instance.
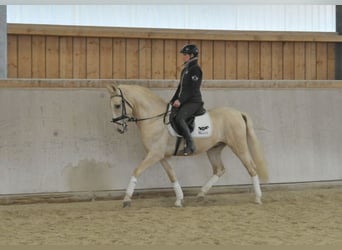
(202, 127)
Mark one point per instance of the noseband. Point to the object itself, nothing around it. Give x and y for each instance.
(123, 118)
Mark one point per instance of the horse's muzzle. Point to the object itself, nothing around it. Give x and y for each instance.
(121, 127)
(121, 130)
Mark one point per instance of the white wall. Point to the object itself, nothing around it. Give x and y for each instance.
(57, 140)
(272, 17)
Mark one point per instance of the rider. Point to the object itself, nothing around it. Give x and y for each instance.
(188, 97)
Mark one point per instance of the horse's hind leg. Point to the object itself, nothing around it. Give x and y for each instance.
(248, 162)
(173, 178)
(214, 156)
(238, 143)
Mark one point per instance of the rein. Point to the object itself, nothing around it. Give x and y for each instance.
(124, 118)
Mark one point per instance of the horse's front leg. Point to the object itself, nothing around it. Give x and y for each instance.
(150, 159)
(173, 178)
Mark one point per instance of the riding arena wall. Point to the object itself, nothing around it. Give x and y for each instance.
(59, 139)
(56, 135)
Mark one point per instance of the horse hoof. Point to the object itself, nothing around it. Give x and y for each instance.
(258, 200)
(200, 198)
(179, 203)
(126, 204)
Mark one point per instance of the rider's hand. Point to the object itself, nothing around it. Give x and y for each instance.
(176, 103)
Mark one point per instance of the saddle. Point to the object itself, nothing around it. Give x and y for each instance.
(199, 124)
(190, 122)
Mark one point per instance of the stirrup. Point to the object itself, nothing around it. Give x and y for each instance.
(189, 151)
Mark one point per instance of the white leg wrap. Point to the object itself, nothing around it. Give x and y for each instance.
(256, 186)
(210, 183)
(131, 186)
(178, 190)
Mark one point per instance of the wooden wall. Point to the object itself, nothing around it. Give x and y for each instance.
(44, 51)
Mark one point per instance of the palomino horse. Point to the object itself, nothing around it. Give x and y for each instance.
(230, 128)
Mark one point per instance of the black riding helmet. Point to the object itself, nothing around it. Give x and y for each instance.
(190, 49)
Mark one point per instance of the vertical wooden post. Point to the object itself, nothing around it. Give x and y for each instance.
(3, 42)
(338, 51)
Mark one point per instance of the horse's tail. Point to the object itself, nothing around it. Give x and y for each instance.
(256, 149)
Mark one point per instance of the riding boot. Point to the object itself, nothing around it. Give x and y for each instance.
(189, 145)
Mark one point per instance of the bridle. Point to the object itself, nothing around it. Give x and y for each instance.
(124, 118)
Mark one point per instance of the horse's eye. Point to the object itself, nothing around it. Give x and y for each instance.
(117, 106)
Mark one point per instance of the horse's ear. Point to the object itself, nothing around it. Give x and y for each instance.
(112, 88)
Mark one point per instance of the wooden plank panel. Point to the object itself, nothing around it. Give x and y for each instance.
(298, 61)
(207, 60)
(157, 59)
(231, 60)
(299, 69)
(265, 60)
(38, 57)
(170, 70)
(79, 57)
(322, 61)
(242, 60)
(12, 57)
(52, 57)
(93, 58)
(66, 60)
(331, 61)
(180, 45)
(24, 57)
(145, 58)
(289, 61)
(180, 34)
(106, 58)
(254, 60)
(119, 58)
(310, 61)
(277, 60)
(219, 60)
(132, 58)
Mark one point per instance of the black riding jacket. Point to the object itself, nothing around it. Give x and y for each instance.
(189, 86)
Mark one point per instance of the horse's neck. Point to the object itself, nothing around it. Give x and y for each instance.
(146, 103)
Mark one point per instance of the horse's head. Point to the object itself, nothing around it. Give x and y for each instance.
(121, 108)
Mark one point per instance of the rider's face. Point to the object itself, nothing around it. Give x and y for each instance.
(186, 57)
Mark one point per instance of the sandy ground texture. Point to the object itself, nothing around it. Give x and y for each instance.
(287, 217)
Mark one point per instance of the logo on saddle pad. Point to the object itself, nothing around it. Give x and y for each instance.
(201, 127)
